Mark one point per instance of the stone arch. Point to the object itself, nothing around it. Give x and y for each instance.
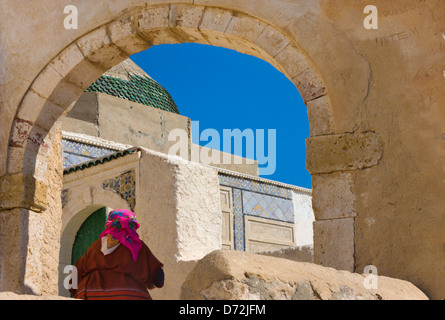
(54, 91)
(65, 78)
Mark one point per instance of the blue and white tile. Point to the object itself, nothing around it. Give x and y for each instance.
(266, 206)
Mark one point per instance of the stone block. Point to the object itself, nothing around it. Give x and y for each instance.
(188, 206)
(153, 18)
(333, 196)
(21, 130)
(84, 74)
(185, 16)
(213, 24)
(26, 134)
(215, 19)
(38, 142)
(334, 243)
(124, 34)
(99, 50)
(236, 275)
(33, 231)
(52, 113)
(21, 237)
(245, 27)
(47, 80)
(164, 36)
(31, 106)
(40, 166)
(320, 117)
(185, 19)
(343, 152)
(93, 41)
(67, 60)
(16, 160)
(217, 39)
(65, 94)
(246, 47)
(20, 190)
(292, 60)
(309, 84)
(272, 41)
(11, 257)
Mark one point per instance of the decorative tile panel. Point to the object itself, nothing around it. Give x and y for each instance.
(256, 186)
(265, 206)
(238, 220)
(125, 186)
(257, 199)
(74, 152)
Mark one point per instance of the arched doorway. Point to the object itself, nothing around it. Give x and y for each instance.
(89, 232)
(81, 202)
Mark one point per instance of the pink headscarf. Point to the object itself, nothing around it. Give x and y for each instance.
(122, 225)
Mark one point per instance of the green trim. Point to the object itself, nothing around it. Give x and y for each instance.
(139, 89)
(99, 161)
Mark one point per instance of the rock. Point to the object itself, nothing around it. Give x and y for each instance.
(13, 296)
(236, 275)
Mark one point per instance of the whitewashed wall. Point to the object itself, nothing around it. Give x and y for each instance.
(304, 218)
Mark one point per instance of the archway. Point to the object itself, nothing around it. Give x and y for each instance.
(88, 232)
(80, 205)
(65, 78)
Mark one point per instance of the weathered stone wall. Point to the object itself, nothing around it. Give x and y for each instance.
(234, 275)
(30, 241)
(304, 218)
(375, 103)
(180, 215)
(52, 221)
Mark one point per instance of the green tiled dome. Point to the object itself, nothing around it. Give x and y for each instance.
(128, 81)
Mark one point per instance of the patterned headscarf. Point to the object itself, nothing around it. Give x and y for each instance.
(122, 225)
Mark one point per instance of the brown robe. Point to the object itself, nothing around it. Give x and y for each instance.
(115, 276)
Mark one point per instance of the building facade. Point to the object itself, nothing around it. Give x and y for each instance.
(120, 125)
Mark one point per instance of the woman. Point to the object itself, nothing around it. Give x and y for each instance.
(118, 266)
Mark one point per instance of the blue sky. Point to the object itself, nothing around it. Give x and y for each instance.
(224, 89)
